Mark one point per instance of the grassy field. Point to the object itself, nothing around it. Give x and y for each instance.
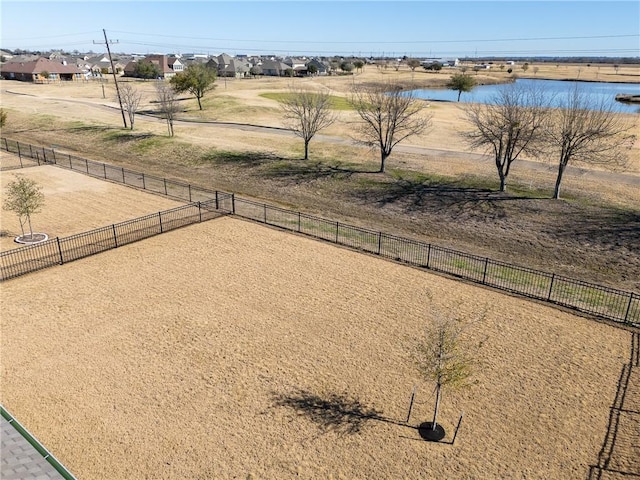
(435, 189)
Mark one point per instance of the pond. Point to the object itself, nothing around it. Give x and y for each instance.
(598, 90)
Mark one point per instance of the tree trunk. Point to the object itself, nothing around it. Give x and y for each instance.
(30, 229)
(459, 93)
(199, 104)
(556, 191)
(383, 158)
(435, 411)
(503, 182)
(306, 149)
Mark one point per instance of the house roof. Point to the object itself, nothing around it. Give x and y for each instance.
(37, 66)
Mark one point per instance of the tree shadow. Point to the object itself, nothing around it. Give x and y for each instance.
(245, 159)
(333, 412)
(436, 195)
(305, 170)
(126, 137)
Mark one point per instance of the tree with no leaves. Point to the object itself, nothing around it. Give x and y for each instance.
(306, 113)
(24, 198)
(461, 83)
(585, 131)
(197, 79)
(130, 98)
(445, 355)
(166, 97)
(509, 125)
(389, 115)
(413, 63)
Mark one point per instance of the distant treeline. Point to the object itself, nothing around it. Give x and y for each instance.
(608, 60)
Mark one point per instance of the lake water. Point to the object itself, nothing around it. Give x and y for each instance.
(599, 90)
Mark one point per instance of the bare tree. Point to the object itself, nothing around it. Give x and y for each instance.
(306, 113)
(24, 198)
(587, 131)
(508, 126)
(166, 97)
(445, 354)
(130, 98)
(390, 116)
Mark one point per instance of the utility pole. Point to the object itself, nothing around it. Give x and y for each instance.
(115, 80)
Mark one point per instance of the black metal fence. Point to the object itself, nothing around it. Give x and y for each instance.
(57, 251)
(598, 300)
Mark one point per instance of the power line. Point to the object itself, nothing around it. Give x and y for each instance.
(409, 42)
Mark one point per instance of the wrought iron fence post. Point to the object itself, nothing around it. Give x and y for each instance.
(160, 218)
(70, 164)
(553, 277)
(264, 214)
(626, 315)
(60, 251)
(19, 154)
(115, 236)
(428, 254)
(200, 211)
(104, 168)
(299, 222)
(337, 230)
(6, 145)
(86, 165)
(233, 203)
(379, 243)
(144, 184)
(54, 155)
(165, 186)
(484, 274)
(123, 180)
(189, 192)
(217, 204)
(31, 151)
(44, 155)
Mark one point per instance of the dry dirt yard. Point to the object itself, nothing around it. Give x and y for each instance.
(231, 350)
(74, 203)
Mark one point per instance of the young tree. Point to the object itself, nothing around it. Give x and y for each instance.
(3, 117)
(359, 64)
(587, 131)
(445, 355)
(130, 98)
(166, 97)
(312, 69)
(24, 198)
(461, 83)
(389, 115)
(509, 125)
(307, 113)
(197, 79)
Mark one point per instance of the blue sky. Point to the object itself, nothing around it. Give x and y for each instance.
(362, 28)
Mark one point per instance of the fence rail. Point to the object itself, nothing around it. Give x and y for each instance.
(597, 300)
(57, 251)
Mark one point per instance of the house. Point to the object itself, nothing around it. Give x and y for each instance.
(235, 68)
(321, 67)
(299, 66)
(274, 68)
(168, 66)
(40, 71)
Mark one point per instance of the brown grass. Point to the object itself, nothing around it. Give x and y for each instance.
(435, 190)
(231, 350)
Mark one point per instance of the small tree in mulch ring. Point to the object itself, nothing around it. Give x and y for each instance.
(24, 198)
(445, 356)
